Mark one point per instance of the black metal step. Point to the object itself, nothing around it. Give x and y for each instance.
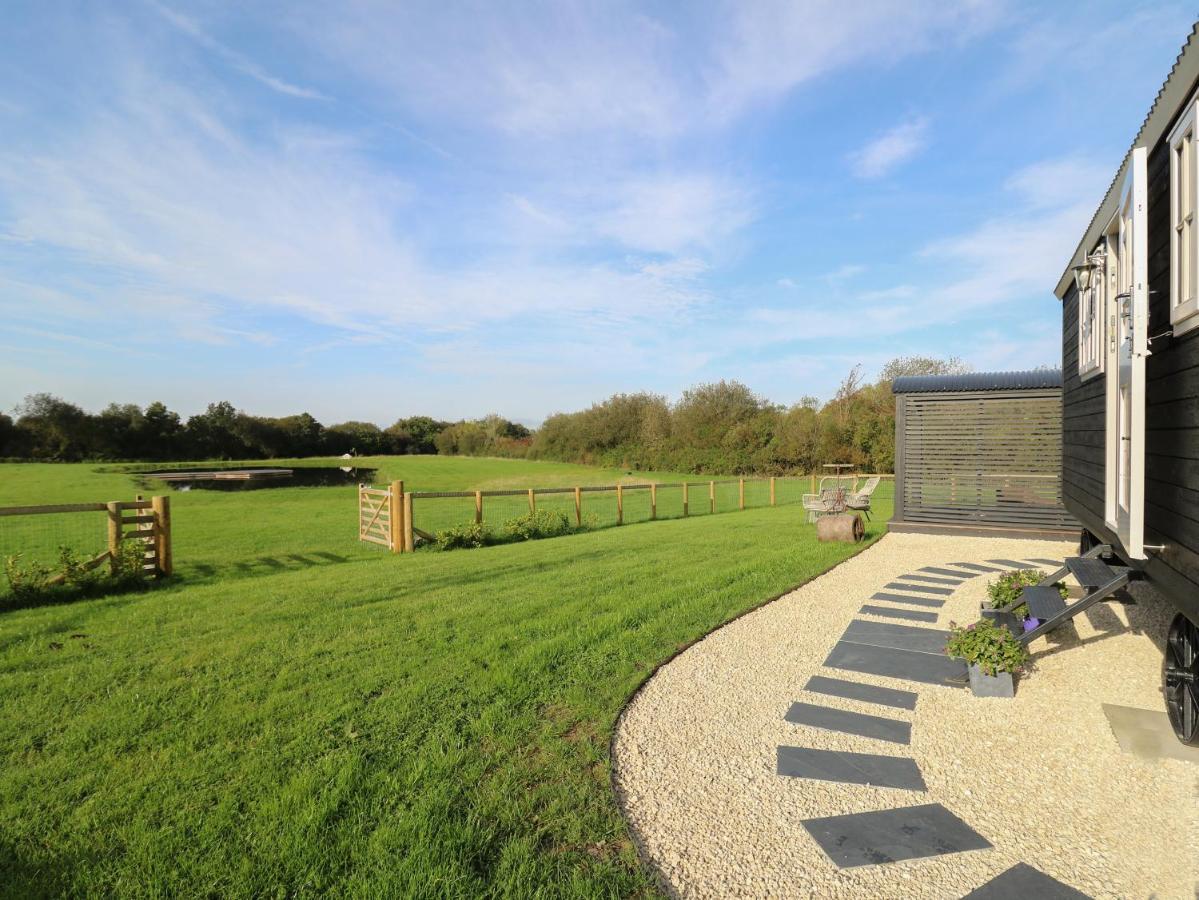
(1043, 601)
(1091, 573)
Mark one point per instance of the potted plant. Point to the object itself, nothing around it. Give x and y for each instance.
(1005, 590)
(992, 654)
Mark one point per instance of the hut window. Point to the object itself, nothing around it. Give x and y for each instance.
(1184, 239)
(1091, 306)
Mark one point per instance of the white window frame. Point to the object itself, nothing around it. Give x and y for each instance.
(1184, 227)
(1092, 313)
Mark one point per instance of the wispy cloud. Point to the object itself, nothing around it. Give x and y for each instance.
(239, 61)
(891, 149)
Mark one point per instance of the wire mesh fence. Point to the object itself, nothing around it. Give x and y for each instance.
(40, 539)
(431, 512)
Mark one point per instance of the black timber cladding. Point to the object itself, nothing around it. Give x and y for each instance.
(980, 450)
(1171, 420)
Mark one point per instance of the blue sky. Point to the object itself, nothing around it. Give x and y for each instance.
(372, 210)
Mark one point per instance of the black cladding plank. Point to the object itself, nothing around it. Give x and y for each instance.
(878, 727)
(896, 637)
(856, 690)
(850, 768)
(1023, 882)
(918, 588)
(939, 571)
(926, 668)
(892, 835)
(911, 601)
(911, 615)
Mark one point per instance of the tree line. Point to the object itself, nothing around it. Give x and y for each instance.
(717, 428)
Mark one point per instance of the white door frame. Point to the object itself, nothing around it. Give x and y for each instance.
(1127, 345)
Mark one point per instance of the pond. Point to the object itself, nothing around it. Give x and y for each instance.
(249, 478)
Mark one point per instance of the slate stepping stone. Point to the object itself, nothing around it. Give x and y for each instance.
(856, 690)
(1057, 564)
(910, 600)
(891, 835)
(918, 588)
(939, 571)
(977, 567)
(912, 615)
(926, 668)
(932, 579)
(896, 636)
(851, 768)
(1012, 563)
(1023, 882)
(878, 727)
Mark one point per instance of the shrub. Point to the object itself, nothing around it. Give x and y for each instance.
(35, 582)
(543, 523)
(27, 581)
(992, 648)
(1008, 586)
(470, 536)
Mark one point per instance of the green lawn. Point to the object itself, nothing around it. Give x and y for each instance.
(296, 714)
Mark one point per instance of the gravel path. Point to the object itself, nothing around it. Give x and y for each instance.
(1041, 776)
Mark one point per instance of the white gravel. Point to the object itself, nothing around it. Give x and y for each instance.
(1041, 776)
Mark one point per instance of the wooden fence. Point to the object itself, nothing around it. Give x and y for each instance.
(148, 521)
(396, 519)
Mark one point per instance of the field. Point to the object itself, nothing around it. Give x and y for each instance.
(297, 714)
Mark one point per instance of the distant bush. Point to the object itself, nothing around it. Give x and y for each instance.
(469, 536)
(543, 523)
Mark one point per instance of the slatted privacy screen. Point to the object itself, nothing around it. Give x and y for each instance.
(982, 458)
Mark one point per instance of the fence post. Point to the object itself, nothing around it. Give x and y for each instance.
(619, 505)
(813, 482)
(409, 538)
(162, 534)
(741, 493)
(114, 534)
(772, 490)
(395, 519)
(684, 498)
(653, 502)
(579, 506)
(711, 496)
(478, 507)
(532, 502)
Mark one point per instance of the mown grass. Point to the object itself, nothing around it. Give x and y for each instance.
(356, 724)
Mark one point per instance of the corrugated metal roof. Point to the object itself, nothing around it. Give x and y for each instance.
(1037, 379)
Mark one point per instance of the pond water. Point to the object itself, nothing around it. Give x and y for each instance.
(250, 478)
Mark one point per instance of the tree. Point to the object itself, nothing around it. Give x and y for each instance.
(922, 365)
(55, 428)
(216, 433)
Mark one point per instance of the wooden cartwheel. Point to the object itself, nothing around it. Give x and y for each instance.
(840, 527)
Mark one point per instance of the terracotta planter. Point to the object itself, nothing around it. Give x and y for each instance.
(999, 685)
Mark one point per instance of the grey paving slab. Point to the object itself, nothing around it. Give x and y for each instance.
(977, 567)
(926, 668)
(896, 636)
(918, 588)
(937, 570)
(1147, 733)
(878, 727)
(932, 579)
(912, 615)
(856, 690)
(1023, 882)
(851, 768)
(909, 599)
(1012, 563)
(891, 835)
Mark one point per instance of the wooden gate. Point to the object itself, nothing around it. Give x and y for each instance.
(381, 516)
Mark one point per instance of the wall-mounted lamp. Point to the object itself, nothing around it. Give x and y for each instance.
(1084, 275)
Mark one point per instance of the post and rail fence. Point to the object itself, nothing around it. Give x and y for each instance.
(147, 521)
(397, 519)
